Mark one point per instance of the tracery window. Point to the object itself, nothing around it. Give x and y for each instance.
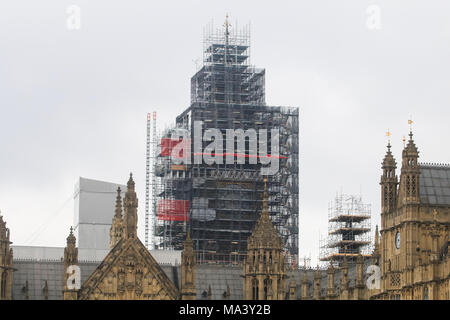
(3, 285)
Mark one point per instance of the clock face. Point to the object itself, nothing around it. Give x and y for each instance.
(397, 240)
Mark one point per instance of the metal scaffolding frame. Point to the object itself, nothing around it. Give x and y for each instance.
(349, 229)
(225, 200)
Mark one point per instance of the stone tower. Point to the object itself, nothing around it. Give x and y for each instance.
(409, 177)
(388, 183)
(71, 269)
(264, 266)
(414, 242)
(398, 228)
(6, 262)
(188, 262)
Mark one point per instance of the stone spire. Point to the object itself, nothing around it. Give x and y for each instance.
(264, 266)
(389, 181)
(70, 267)
(376, 254)
(3, 230)
(264, 234)
(410, 172)
(188, 270)
(118, 211)
(116, 231)
(130, 204)
(71, 240)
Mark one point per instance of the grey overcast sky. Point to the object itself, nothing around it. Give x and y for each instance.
(74, 102)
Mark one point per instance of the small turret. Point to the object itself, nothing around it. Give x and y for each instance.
(130, 204)
(188, 270)
(409, 178)
(116, 231)
(389, 181)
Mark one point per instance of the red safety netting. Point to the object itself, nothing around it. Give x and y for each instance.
(173, 210)
(167, 145)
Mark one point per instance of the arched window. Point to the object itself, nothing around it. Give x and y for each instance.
(408, 185)
(254, 289)
(266, 288)
(3, 285)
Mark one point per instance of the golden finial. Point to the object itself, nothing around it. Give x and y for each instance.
(435, 213)
(388, 135)
(404, 141)
(410, 122)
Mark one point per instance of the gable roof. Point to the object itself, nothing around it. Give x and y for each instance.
(434, 184)
(128, 253)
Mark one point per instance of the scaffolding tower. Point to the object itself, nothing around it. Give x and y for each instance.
(148, 225)
(220, 203)
(348, 230)
(171, 192)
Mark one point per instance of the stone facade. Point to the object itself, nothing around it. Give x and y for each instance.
(264, 266)
(6, 262)
(415, 219)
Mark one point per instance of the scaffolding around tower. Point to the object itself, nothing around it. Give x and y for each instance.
(171, 189)
(219, 203)
(349, 229)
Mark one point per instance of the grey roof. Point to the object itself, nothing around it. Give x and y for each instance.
(434, 184)
(37, 272)
(39, 264)
(218, 277)
(163, 257)
(56, 253)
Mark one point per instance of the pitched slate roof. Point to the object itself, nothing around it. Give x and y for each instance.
(434, 184)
